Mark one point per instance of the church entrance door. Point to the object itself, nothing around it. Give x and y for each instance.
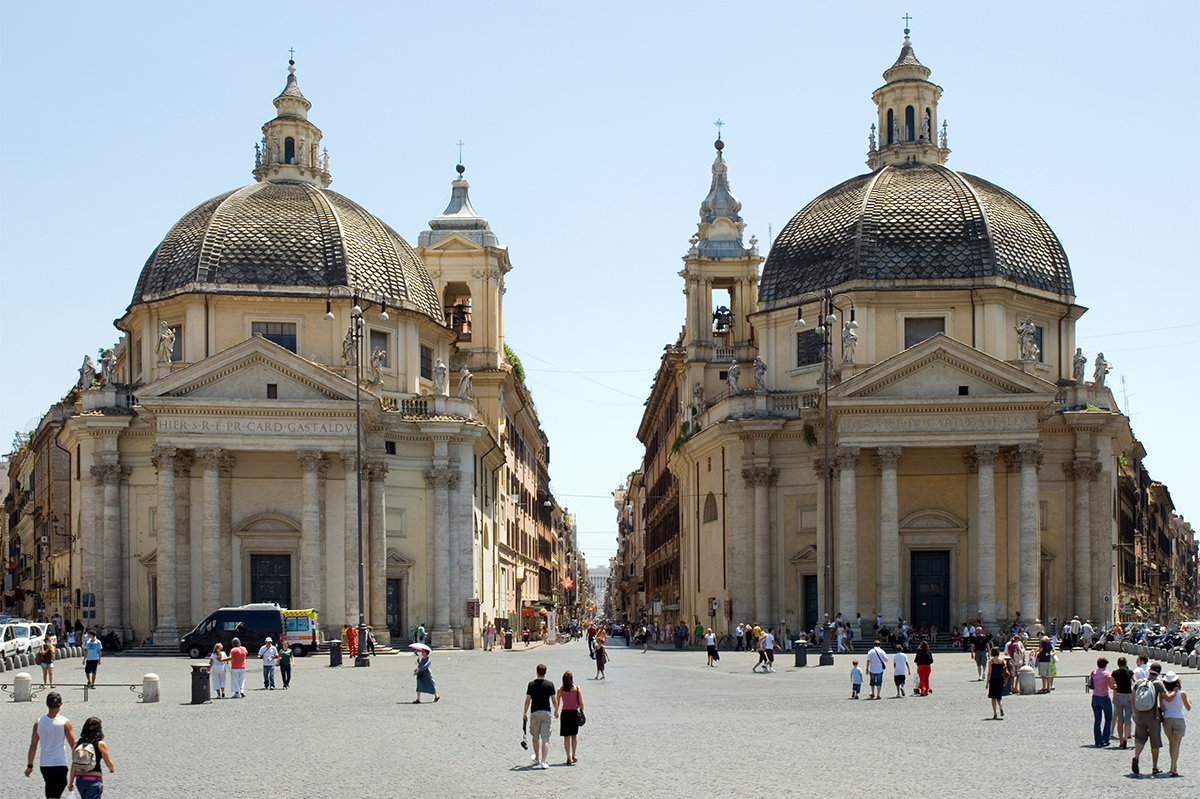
(931, 589)
(810, 602)
(393, 609)
(271, 579)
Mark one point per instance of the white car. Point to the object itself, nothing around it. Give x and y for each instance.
(38, 631)
(14, 637)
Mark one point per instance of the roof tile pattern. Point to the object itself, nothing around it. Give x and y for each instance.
(914, 223)
(286, 235)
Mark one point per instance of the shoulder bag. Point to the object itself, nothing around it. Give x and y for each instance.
(580, 718)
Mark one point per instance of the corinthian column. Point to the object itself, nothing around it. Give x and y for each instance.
(1082, 472)
(184, 615)
(441, 480)
(760, 478)
(210, 529)
(112, 547)
(350, 460)
(847, 565)
(163, 459)
(312, 465)
(377, 559)
(889, 534)
(1031, 546)
(985, 530)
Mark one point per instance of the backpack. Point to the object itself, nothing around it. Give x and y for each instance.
(83, 758)
(1144, 696)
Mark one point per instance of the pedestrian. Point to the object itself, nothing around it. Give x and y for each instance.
(285, 663)
(489, 636)
(525, 636)
(769, 648)
(1121, 684)
(900, 669)
(979, 645)
(53, 731)
(1173, 701)
(924, 659)
(855, 680)
(1045, 662)
(739, 633)
(86, 758)
(420, 633)
(1147, 719)
(760, 646)
(849, 639)
(370, 641)
(91, 657)
(237, 669)
(699, 631)
(538, 696)
(351, 637)
(1016, 659)
(1102, 708)
(425, 683)
(219, 669)
(1087, 631)
(269, 656)
(877, 661)
(570, 701)
(601, 658)
(45, 659)
(1076, 628)
(995, 683)
(710, 641)
(1142, 670)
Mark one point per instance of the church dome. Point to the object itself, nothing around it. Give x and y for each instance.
(279, 236)
(910, 224)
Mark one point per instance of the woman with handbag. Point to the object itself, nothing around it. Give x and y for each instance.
(425, 684)
(569, 709)
(45, 659)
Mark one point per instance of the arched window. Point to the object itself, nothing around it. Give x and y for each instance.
(710, 508)
(909, 122)
(891, 128)
(289, 150)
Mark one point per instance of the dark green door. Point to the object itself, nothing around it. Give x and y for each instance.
(810, 602)
(271, 579)
(931, 589)
(393, 607)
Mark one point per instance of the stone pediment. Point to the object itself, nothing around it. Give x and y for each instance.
(806, 554)
(941, 367)
(243, 371)
(453, 242)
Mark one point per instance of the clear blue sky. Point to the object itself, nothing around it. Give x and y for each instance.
(588, 131)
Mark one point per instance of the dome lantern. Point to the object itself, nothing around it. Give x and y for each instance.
(290, 150)
(908, 120)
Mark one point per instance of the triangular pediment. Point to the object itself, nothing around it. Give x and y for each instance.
(806, 554)
(453, 242)
(941, 367)
(244, 370)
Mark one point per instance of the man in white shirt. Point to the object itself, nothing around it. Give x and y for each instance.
(52, 731)
(740, 632)
(270, 656)
(1087, 632)
(769, 648)
(1142, 671)
(900, 669)
(1075, 628)
(877, 661)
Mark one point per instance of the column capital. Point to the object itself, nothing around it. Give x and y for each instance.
(887, 456)
(1029, 454)
(818, 466)
(847, 457)
(312, 460)
(183, 464)
(1082, 469)
(225, 465)
(759, 475)
(209, 457)
(163, 457)
(983, 453)
(377, 470)
(441, 478)
(349, 458)
(109, 473)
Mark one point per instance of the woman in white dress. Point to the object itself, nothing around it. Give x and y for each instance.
(219, 670)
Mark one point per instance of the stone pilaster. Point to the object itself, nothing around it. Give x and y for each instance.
(312, 466)
(377, 558)
(163, 459)
(889, 534)
(760, 478)
(211, 556)
(1031, 545)
(847, 531)
(984, 463)
(225, 503)
(185, 614)
(110, 613)
(1083, 472)
(353, 478)
(440, 481)
(823, 502)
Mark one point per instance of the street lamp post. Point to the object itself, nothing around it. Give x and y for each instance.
(826, 320)
(70, 563)
(362, 659)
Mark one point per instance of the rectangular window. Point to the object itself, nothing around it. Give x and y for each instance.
(426, 363)
(389, 448)
(272, 391)
(917, 329)
(177, 347)
(1039, 334)
(282, 333)
(137, 358)
(808, 348)
(379, 341)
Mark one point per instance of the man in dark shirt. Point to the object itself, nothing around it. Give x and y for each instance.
(538, 696)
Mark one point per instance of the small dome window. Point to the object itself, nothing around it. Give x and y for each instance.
(891, 127)
(289, 150)
(909, 123)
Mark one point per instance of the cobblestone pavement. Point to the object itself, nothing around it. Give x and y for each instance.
(661, 724)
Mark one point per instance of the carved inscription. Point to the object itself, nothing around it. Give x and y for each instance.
(276, 427)
(937, 423)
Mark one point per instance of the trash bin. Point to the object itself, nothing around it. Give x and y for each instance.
(801, 650)
(335, 653)
(201, 687)
(508, 639)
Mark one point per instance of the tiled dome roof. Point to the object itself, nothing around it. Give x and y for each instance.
(285, 235)
(914, 223)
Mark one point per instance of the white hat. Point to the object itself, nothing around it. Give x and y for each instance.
(268, 640)
(1170, 676)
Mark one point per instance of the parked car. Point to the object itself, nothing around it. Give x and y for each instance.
(14, 637)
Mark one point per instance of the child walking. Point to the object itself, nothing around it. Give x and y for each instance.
(855, 680)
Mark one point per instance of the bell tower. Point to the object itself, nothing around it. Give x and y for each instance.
(290, 148)
(907, 128)
(720, 278)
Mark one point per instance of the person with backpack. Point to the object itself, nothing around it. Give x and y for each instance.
(89, 751)
(1147, 723)
(52, 731)
(1121, 683)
